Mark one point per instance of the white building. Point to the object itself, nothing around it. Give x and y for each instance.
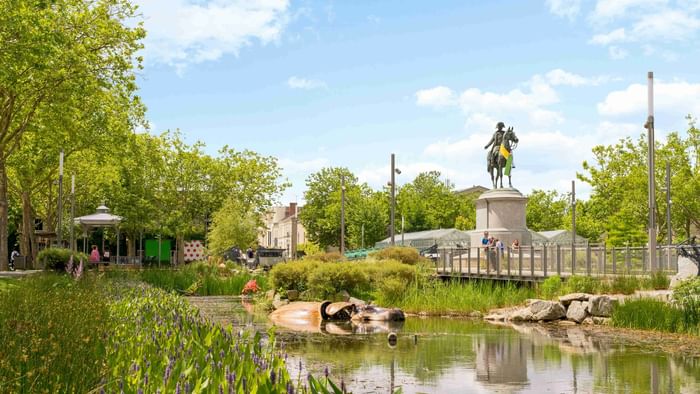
(277, 230)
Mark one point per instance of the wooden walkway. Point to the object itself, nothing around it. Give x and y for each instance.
(534, 264)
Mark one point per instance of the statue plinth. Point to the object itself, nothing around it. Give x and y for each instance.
(501, 212)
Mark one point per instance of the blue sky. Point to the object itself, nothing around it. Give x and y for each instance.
(346, 83)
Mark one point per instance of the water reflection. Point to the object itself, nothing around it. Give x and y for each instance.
(460, 356)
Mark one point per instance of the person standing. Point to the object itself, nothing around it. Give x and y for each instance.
(13, 256)
(94, 255)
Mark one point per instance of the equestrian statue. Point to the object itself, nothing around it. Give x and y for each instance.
(500, 156)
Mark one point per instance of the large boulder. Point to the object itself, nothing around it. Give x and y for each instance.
(520, 315)
(601, 305)
(567, 299)
(547, 310)
(577, 311)
(686, 270)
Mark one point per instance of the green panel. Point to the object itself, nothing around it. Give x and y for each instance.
(152, 249)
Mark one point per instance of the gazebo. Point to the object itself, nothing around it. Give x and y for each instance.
(101, 218)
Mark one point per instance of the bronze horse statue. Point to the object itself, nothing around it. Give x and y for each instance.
(498, 160)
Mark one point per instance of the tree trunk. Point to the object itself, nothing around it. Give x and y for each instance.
(180, 244)
(27, 246)
(130, 245)
(4, 261)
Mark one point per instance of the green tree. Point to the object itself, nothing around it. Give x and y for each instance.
(546, 210)
(430, 203)
(57, 58)
(232, 225)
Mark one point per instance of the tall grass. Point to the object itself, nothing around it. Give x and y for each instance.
(437, 297)
(52, 334)
(650, 314)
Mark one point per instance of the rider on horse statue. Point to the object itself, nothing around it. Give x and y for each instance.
(495, 144)
(500, 157)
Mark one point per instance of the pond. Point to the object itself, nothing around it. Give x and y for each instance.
(441, 355)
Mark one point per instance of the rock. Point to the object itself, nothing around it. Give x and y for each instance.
(686, 270)
(270, 295)
(566, 323)
(475, 314)
(356, 301)
(495, 317)
(522, 314)
(588, 321)
(601, 305)
(278, 303)
(293, 295)
(343, 295)
(577, 311)
(547, 310)
(603, 321)
(566, 299)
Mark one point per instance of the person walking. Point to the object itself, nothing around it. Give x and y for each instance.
(13, 255)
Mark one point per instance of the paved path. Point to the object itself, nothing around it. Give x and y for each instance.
(18, 273)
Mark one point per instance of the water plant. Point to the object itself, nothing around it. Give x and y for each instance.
(551, 287)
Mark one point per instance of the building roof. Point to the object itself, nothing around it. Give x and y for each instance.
(444, 237)
(476, 189)
(101, 218)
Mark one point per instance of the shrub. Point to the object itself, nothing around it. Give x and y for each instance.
(581, 284)
(625, 284)
(326, 280)
(657, 281)
(687, 297)
(325, 257)
(403, 254)
(550, 287)
(292, 275)
(57, 258)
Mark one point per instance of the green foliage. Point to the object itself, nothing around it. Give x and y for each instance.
(687, 297)
(625, 284)
(546, 210)
(48, 321)
(657, 281)
(551, 287)
(581, 284)
(325, 256)
(232, 226)
(309, 248)
(406, 255)
(437, 297)
(199, 279)
(57, 258)
(326, 279)
(650, 314)
(428, 202)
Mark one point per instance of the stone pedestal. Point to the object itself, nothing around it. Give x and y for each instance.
(501, 212)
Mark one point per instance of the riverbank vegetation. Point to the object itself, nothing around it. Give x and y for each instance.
(680, 316)
(98, 334)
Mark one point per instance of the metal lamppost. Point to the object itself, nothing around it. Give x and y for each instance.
(60, 199)
(650, 161)
(573, 226)
(394, 171)
(72, 212)
(342, 214)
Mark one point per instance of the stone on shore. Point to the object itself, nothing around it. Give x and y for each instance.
(567, 299)
(547, 310)
(601, 305)
(577, 311)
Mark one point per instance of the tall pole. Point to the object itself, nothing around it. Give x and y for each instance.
(402, 223)
(294, 234)
(363, 235)
(72, 212)
(60, 199)
(393, 198)
(650, 161)
(573, 224)
(668, 214)
(342, 214)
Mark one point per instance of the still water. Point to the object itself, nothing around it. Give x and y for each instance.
(439, 355)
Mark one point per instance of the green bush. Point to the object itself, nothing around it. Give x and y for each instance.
(403, 254)
(625, 284)
(551, 287)
(292, 275)
(650, 314)
(57, 258)
(581, 284)
(328, 279)
(325, 257)
(657, 281)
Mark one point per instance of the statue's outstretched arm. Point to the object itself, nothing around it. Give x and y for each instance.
(490, 142)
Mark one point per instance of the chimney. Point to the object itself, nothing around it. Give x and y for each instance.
(292, 209)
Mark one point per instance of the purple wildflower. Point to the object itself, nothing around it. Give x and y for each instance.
(290, 388)
(272, 376)
(326, 372)
(177, 388)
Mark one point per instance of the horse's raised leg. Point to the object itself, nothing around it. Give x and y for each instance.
(509, 183)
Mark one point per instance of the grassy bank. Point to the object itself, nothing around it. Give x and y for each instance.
(680, 316)
(98, 334)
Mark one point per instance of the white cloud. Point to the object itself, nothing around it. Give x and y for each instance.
(185, 32)
(560, 77)
(678, 97)
(564, 8)
(439, 96)
(617, 35)
(607, 9)
(295, 82)
(617, 53)
(668, 25)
